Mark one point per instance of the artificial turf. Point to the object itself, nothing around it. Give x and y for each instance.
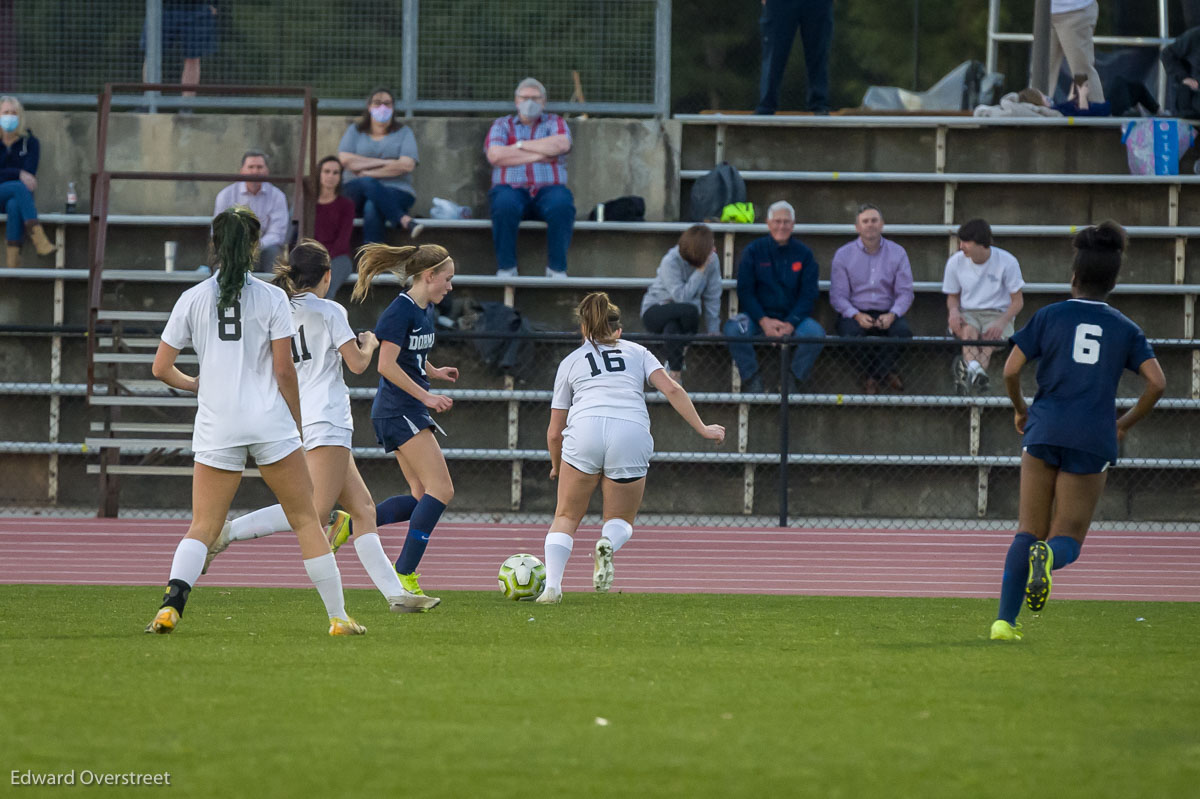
(605, 695)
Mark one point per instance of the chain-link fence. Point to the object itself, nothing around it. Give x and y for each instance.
(880, 434)
(437, 54)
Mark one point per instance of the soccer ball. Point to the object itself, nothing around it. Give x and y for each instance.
(522, 577)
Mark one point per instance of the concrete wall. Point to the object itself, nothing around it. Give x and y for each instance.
(611, 158)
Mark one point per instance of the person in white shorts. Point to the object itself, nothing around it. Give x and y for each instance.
(982, 285)
(323, 341)
(600, 434)
(248, 404)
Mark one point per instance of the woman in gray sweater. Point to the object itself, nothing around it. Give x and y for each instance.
(688, 284)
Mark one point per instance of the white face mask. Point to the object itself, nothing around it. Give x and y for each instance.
(530, 109)
(381, 114)
(9, 122)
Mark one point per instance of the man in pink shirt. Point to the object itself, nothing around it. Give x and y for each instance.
(871, 288)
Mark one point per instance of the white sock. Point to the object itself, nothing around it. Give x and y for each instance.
(618, 531)
(188, 561)
(379, 568)
(259, 523)
(558, 552)
(974, 367)
(323, 572)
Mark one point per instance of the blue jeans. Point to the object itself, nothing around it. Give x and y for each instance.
(552, 204)
(778, 24)
(378, 205)
(742, 326)
(17, 202)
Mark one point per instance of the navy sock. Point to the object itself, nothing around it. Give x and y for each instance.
(1065, 549)
(1016, 574)
(394, 509)
(424, 519)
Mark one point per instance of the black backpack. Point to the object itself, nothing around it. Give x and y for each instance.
(714, 190)
(502, 355)
(623, 209)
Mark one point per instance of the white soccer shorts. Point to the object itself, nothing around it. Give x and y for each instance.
(619, 448)
(233, 459)
(324, 434)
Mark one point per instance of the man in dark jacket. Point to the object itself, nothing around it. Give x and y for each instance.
(1181, 60)
(777, 292)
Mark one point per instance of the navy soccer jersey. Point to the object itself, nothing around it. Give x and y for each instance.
(1083, 346)
(411, 328)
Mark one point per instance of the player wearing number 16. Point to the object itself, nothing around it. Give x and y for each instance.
(248, 404)
(1071, 432)
(599, 434)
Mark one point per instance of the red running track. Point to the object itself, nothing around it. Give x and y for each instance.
(934, 563)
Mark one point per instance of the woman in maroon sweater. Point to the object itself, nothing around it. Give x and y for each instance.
(335, 220)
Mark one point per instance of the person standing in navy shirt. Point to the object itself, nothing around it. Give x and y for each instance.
(1070, 436)
(401, 411)
(777, 286)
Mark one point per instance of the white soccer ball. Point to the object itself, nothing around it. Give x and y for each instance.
(522, 577)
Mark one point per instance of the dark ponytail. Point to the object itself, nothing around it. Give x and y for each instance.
(1098, 252)
(599, 318)
(302, 268)
(235, 234)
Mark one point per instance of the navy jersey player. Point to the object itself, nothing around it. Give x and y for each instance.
(401, 413)
(599, 434)
(1071, 431)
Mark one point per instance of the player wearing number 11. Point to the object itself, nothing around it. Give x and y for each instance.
(599, 434)
(1070, 436)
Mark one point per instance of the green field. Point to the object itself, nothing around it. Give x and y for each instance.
(703, 696)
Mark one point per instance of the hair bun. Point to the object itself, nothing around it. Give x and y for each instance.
(1107, 236)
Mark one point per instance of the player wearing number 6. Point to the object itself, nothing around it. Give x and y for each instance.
(248, 404)
(600, 434)
(1070, 436)
(401, 412)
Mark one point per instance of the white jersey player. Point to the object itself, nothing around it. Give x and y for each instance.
(600, 434)
(322, 341)
(249, 403)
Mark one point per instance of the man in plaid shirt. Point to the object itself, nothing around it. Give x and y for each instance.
(528, 153)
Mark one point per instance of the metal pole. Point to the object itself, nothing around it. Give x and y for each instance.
(153, 50)
(993, 27)
(662, 58)
(785, 388)
(1039, 69)
(409, 35)
(1162, 71)
(916, 45)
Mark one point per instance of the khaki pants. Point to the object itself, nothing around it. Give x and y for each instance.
(1071, 36)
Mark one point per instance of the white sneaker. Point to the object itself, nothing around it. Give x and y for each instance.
(412, 603)
(554, 273)
(602, 574)
(549, 596)
(506, 272)
(218, 546)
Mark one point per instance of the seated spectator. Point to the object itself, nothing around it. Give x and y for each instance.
(1077, 103)
(982, 285)
(528, 153)
(1181, 60)
(267, 203)
(18, 181)
(871, 288)
(777, 287)
(334, 221)
(379, 155)
(688, 281)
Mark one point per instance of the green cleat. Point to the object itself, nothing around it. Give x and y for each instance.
(1003, 631)
(337, 532)
(410, 584)
(1037, 589)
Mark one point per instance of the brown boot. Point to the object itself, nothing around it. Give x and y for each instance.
(14, 256)
(42, 244)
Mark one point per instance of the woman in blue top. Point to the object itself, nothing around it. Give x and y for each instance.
(1070, 438)
(19, 156)
(401, 411)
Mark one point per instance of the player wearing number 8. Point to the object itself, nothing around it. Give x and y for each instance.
(248, 404)
(600, 434)
(1070, 438)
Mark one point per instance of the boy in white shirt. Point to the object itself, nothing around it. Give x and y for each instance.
(982, 285)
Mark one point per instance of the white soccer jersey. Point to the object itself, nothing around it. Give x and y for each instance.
(321, 328)
(240, 402)
(599, 380)
(986, 286)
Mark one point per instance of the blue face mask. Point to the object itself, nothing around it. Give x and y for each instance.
(9, 122)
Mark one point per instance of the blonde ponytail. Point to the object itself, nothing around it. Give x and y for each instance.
(600, 318)
(404, 262)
